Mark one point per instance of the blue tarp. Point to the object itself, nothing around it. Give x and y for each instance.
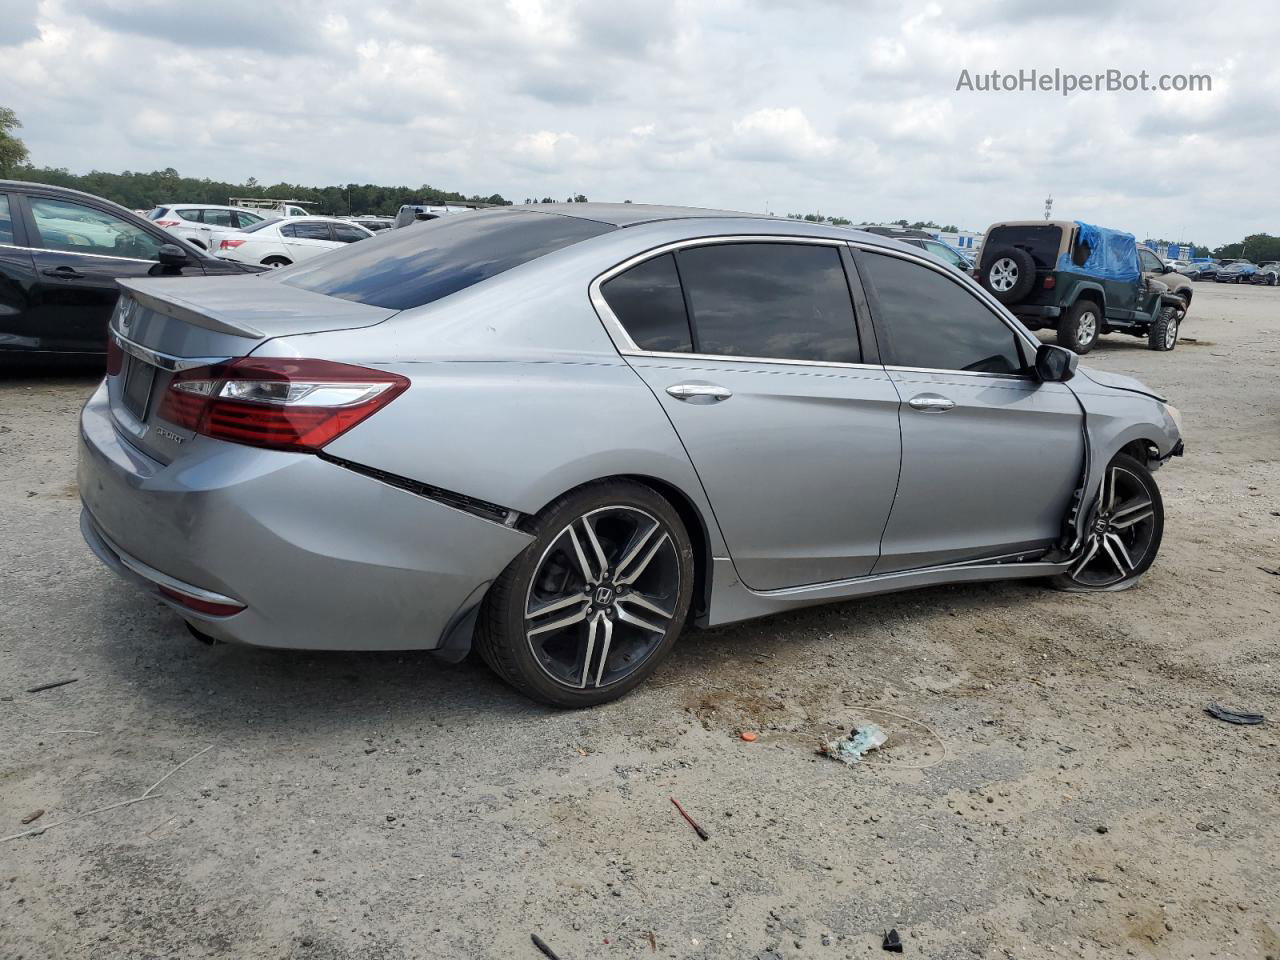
(1112, 255)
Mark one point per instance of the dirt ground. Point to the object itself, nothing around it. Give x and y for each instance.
(1051, 785)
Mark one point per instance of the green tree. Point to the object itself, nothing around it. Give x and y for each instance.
(13, 152)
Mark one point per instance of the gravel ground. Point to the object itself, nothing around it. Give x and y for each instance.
(1051, 785)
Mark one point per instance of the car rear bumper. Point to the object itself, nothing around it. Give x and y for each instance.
(321, 557)
(1035, 310)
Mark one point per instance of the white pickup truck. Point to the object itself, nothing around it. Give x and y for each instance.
(269, 208)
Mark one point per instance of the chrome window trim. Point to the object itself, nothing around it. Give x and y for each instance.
(76, 253)
(629, 348)
(164, 361)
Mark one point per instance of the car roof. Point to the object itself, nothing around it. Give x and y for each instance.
(630, 214)
(64, 192)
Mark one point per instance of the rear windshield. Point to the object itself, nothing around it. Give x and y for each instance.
(255, 227)
(1042, 242)
(424, 262)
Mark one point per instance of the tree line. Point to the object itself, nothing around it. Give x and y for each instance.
(142, 191)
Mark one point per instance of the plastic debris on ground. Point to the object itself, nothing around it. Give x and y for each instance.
(860, 741)
(1220, 712)
(892, 943)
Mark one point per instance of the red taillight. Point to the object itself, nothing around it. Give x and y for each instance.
(1050, 282)
(209, 607)
(167, 223)
(115, 356)
(297, 405)
(229, 244)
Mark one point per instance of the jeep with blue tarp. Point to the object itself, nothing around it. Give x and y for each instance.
(1080, 279)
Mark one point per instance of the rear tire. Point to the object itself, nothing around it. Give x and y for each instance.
(276, 262)
(1079, 329)
(1163, 334)
(1126, 528)
(593, 605)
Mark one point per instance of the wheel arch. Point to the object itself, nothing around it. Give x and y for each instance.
(1092, 292)
(695, 524)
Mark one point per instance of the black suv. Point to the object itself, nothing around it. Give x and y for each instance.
(60, 254)
(1080, 279)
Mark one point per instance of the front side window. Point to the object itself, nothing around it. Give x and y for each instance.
(649, 304)
(782, 301)
(1150, 262)
(400, 269)
(64, 225)
(245, 219)
(925, 319)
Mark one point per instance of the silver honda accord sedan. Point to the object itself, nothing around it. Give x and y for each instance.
(559, 434)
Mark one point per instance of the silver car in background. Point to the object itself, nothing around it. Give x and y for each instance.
(560, 433)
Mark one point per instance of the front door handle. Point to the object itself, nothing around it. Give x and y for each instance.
(930, 403)
(699, 392)
(63, 273)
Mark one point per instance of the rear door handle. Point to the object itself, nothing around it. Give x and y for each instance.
(930, 403)
(699, 392)
(63, 273)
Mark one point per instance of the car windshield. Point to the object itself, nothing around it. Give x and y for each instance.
(424, 262)
(253, 228)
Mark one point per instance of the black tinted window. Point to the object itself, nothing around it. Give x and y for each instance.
(419, 264)
(306, 231)
(785, 301)
(6, 222)
(924, 319)
(648, 302)
(1041, 242)
(348, 234)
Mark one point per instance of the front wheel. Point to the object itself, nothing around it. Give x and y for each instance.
(1163, 334)
(589, 609)
(1124, 534)
(1079, 329)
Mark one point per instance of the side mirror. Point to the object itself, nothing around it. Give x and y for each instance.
(1167, 269)
(172, 255)
(1055, 364)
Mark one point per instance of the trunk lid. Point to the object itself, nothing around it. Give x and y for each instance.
(163, 325)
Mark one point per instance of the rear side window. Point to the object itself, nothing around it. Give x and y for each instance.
(923, 319)
(784, 301)
(306, 231)
(418, 264)
(649, 304)
(219, 218)
(6, 223)
(193, 215)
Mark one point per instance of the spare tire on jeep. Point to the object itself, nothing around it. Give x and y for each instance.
(1009, 273)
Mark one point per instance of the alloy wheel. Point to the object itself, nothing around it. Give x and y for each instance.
(1004, 275)
(1122, 535)
(602, 597)
(1086, 328)
(1171, 334)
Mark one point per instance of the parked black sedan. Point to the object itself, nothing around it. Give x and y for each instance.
(60, 254)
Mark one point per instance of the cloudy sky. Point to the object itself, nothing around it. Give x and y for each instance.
(847, 108)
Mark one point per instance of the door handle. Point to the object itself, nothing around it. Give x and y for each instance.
(699, 392)
(63, 273)
(930, 403)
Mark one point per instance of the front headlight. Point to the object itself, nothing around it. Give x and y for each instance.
(1175, 414)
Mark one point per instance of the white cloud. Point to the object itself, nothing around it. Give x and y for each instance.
(806, 105)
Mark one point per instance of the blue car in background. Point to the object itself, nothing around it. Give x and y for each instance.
(1241, 271)
(1201, 270)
